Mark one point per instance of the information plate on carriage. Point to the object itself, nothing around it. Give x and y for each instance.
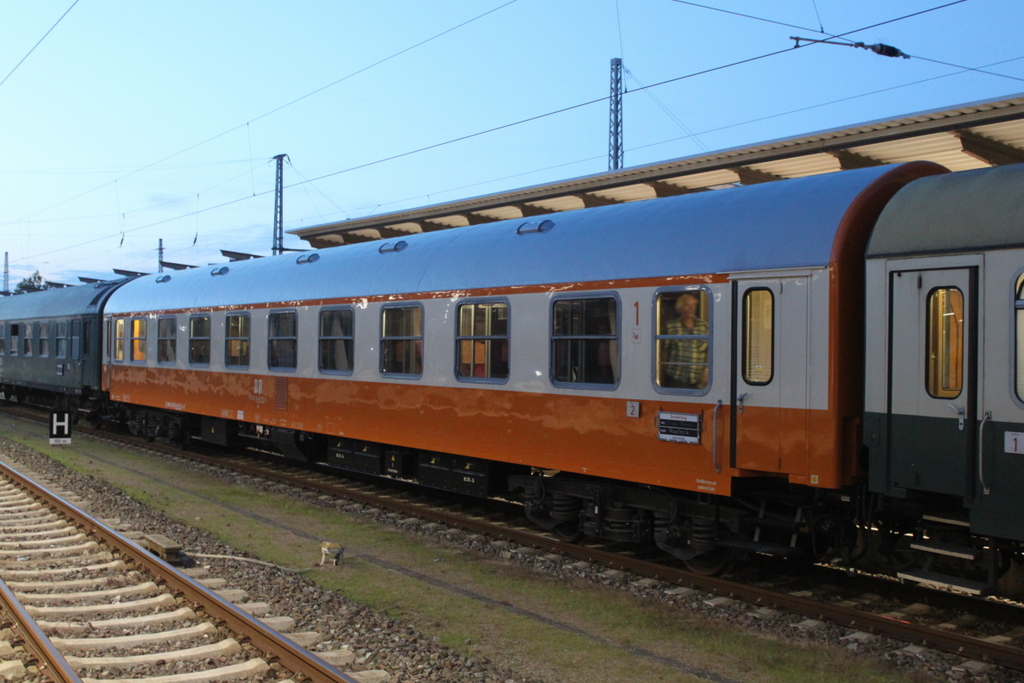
(679, 427)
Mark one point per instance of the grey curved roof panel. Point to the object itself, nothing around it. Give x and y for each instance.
(57, 303)
(784, 224)
(966, 211)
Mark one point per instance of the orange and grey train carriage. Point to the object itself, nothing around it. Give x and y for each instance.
(817, 367)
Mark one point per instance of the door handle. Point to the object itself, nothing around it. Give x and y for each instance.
(739, 401)
(959, 410)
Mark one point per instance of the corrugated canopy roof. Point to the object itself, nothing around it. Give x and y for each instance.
(978, 135)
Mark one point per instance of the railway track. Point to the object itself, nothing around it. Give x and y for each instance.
(867, 617)
(86, 604)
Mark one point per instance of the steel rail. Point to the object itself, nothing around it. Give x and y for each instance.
(51, 662)
(275, 646)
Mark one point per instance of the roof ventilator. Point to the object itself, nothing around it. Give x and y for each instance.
(220, 270)
(163, 278)
(308, 258)
(393, 246)
(529, 227)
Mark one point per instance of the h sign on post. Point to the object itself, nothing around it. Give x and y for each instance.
(60, 429)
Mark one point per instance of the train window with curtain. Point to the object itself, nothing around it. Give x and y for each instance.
(62, 339)
(137, 350)
(758, 336)
(1019, 342)
(283, 341)
(585, 341)
(199, 340)
(336, 340)
(401, 341)
(15, 338)
(166, 340)
(44, 340)
(118, 339)
(482, 341)
(944, 376)
(236, 340)
(26, 339)
(683, 340)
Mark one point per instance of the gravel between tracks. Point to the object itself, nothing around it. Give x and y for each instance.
(383, 643)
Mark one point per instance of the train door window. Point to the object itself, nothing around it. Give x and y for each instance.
(44, 339)
(336, 340)
(1019, 324)
(138, 339)
(62, 339)
(401, 343)
(944, 374)
(199, 340)
(166, 340)
(26, 339)
(236, 340)
(76, 340)
(3, 338)
(683, 340)
(119, 339)
(585, 341)
(15, 338)
(482, 341)
(283, 341)
(758, 336)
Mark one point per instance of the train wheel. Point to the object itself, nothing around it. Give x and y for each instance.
(717, 561)
(568, 532)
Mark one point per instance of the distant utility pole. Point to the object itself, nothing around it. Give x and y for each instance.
(278, 247)
(160, 256)
(615, 151)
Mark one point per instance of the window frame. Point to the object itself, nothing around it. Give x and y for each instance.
(27, 337)
(271, 340)
(136, 342)
(657, 338)
(193, 339)
(487, 338)
(321, 339)
(245, 315)
(746, 338)
(161, 338)
(929, 364)
(386, 342)
(44, 340)
(616, 358)
(3, 338)
(1017, 339)
(63, 339)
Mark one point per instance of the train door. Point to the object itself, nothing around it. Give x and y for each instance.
(770, 374)
(932, 376)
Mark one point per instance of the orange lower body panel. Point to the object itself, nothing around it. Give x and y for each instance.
(587, 435)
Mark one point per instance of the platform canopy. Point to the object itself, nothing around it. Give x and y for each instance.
(971, 136)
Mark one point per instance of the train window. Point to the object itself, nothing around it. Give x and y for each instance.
(283, 342)
(44, 339)
(236, 340)
(1019, 314)
(62, 339)
(119, 339)
(79, 342)
(166, 340)
(3, 338)
(683, 339)
(482, 341)
(401, 343)
(758, 336)
(199, 340)
(15, 338)
(945, 340)
(26, 339)
(138, 339)
(336, 340)
(585, 341)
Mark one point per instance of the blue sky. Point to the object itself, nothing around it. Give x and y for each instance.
(132, 122)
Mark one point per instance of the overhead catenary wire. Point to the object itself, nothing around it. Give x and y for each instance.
(38, 42)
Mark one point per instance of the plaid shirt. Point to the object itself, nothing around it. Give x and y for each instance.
(685, 360)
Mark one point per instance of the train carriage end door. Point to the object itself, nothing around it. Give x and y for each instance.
(932, 378)
(770, 374)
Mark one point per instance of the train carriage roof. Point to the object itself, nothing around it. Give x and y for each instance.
(57, 303)
(966, 211)
(784, 224)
